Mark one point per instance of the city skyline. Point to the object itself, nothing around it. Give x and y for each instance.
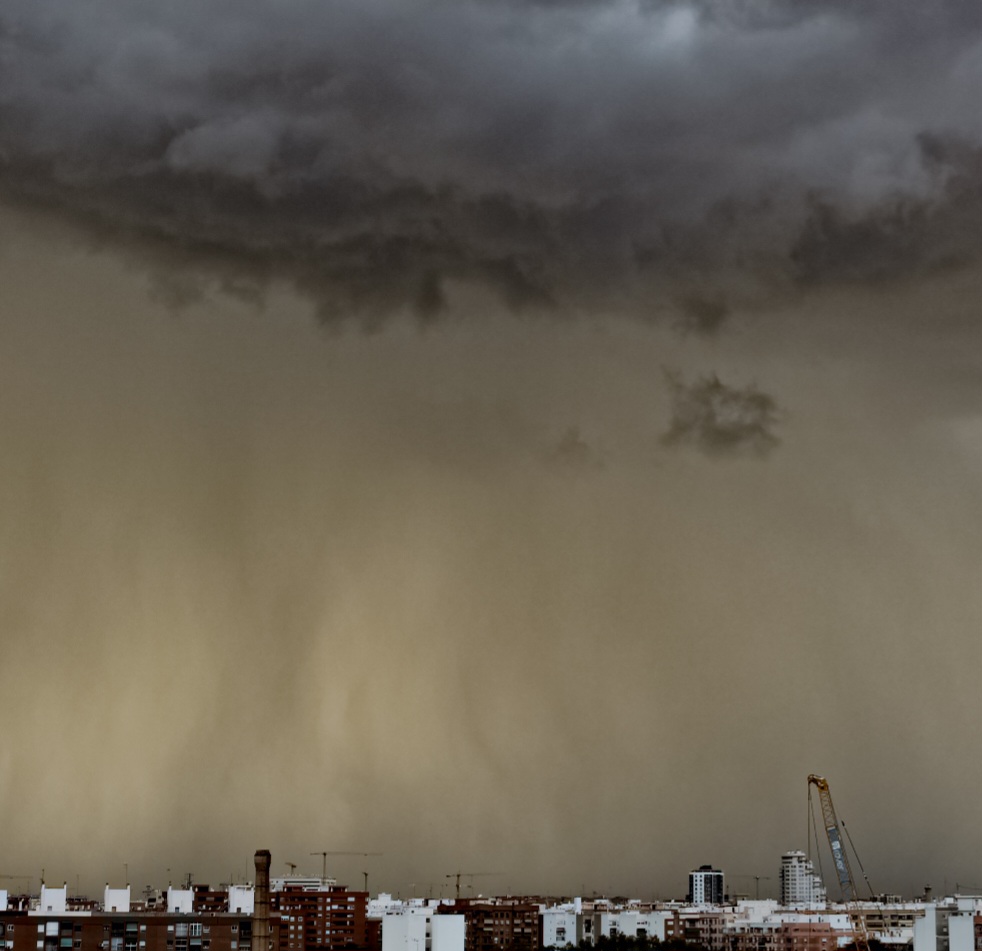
(517, 437)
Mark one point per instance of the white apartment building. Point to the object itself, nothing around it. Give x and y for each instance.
(417, 931)
(706, 886)
(559, 927)
(949, 926)
(799, 883)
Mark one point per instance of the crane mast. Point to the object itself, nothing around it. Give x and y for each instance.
(840, 859)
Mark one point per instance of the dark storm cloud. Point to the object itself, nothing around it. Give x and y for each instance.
(902, 234)
(721, 420)
(378, 154)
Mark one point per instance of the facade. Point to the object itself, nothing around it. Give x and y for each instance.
(805, 936)
(405, 933)
(448, 933)
(499, 926)
(322, 919)
(412, 932)
(799, 883)
(953, 926)
(707, 929)
(706, 886)
(122, 931)
(558, 927)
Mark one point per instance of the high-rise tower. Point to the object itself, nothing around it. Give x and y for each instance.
(799, 883)
(706, 886)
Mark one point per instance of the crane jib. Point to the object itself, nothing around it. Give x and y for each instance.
(838, 857)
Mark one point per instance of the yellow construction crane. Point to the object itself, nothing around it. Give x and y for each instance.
(840, 858)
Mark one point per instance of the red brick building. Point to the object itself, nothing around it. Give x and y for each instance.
(137, 931)
(323, 919)
(498, 926)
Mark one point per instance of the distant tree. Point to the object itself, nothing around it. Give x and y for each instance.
(874, 945)
(622, 942)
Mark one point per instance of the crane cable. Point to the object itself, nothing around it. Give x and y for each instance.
(842, 822)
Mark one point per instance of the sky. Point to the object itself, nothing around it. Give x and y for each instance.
(512, 437)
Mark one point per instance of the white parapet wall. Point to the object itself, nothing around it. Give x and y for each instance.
(53, 900)
(241, 899)
(116, 899)
(180, 901)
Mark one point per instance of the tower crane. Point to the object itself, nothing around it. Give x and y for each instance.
(324, 856)
(21, 878)
(757, 880)
(459, 875)
(847, 884)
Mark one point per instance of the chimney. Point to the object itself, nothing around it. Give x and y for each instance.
(260, 913)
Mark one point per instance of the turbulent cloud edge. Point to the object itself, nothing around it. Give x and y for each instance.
(721, 420)
(647, 156)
